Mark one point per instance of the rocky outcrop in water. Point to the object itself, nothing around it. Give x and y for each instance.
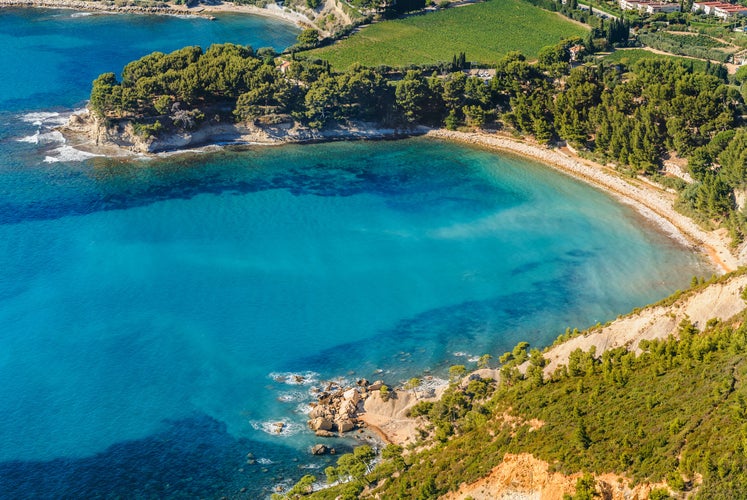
(338, 411)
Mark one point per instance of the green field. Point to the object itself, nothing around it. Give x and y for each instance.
(631, 56)
(484, 32)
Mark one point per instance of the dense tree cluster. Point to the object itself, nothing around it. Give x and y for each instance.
(638, 119)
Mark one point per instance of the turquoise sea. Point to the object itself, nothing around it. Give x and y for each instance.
(152, 311)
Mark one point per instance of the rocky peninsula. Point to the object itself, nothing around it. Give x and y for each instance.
(87, 132)
(110, 7)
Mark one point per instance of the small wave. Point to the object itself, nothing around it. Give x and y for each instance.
(293, 378)
(68, 154)
(81, 14)
(303, 408)
(282, 427)
(264, 461)
(293, 397)
(309, 466)
(473, 359)
(32, 139)
(460, 354)
(53, 137)
(40, 117)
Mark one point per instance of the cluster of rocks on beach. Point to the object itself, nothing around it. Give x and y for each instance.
(337, 411)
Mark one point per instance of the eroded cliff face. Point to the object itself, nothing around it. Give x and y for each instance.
(523, 477)
(114, 137)
(88, 132)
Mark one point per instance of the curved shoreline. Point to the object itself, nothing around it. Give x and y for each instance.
(654, 204)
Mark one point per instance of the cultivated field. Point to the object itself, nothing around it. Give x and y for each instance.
(484, 32)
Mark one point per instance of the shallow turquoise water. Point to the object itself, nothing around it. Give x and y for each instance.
(147, 307)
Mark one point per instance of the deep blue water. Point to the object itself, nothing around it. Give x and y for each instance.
(147, 308)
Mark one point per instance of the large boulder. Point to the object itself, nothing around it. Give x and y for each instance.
(352, 395)
(349, 408)
(318, 411)
(376, 385)
(320, 424)
(345, 425)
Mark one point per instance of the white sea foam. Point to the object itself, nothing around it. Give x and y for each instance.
(32, 139)
(53, 137)
(430, 384)
(39, 118)
(294, 378)
(303, 408)
(282, 427)
(69, 154)
(460, 354)
(264, 461)
(81, 14)
(473, 359)
(293, 397)
(309, 466)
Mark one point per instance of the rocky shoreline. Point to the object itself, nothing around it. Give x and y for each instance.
(377, 411)
(86, 132)
(338, 411)
(207, 11)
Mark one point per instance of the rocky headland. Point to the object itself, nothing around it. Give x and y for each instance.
(87, 132)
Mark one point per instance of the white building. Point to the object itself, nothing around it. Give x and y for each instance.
(721, 10)
(649, 6)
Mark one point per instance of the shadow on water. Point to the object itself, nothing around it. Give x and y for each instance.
(116, 184)
(436, 339)
(191, 458)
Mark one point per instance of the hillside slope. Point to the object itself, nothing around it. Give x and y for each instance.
(666, 418)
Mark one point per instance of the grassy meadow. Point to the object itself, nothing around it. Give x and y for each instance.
(484, 32)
